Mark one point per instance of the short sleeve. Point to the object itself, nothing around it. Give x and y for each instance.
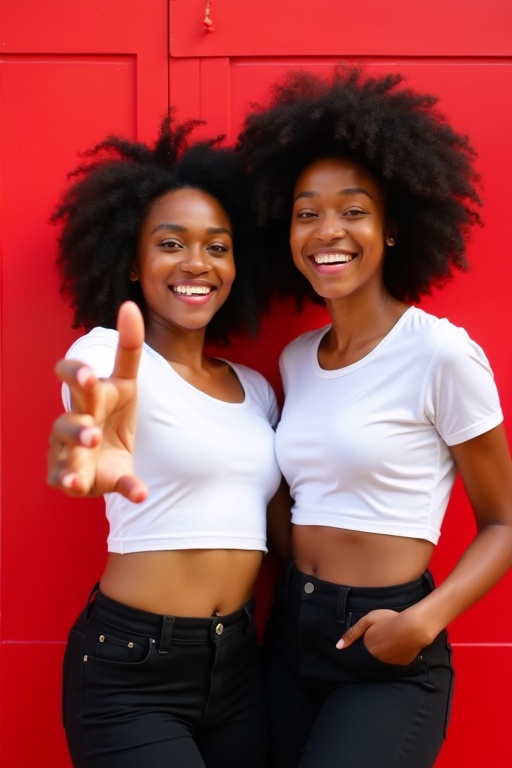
(460, 395)
(97, 350)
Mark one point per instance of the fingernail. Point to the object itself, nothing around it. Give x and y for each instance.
(67, 481)
(83, 375)
(88, 436)
(340, 644)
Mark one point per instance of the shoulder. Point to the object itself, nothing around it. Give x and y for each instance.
(97, 349)
(437, 337)
(97, 337)
(302, 344)
(258, 388)
(251, 378)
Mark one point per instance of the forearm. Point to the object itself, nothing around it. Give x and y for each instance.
(482, 565)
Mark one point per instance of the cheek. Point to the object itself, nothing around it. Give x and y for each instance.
(296, 248)
(229, 273)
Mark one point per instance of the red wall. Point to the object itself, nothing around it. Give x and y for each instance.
(70, 72)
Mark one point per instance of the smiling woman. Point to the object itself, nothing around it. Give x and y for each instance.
(376, 194)
(162, 665)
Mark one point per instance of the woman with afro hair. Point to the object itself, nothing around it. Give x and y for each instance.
(162, 665)
(374, 194)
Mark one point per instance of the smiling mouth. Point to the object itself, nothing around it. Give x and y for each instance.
(333, 258)
(192, 290)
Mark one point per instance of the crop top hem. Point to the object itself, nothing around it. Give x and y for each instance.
(413, 531)
(166, 543)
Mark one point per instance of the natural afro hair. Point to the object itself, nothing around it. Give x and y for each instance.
(104, 208)
(424, 167)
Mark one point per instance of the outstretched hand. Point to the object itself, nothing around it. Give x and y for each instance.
(91, 447)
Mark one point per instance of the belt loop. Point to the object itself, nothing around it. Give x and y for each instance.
(91, 599)
(248, 608)
(429, 580)
(341, 608)
(164, 643)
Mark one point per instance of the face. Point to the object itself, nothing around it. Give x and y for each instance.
(338, 229)
(185, 266)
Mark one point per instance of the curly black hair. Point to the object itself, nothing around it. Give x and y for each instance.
(425, 169)
(103, 210)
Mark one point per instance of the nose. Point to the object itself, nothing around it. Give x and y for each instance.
(195, 261)
(330, 227)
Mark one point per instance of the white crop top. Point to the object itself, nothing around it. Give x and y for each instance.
(365, 447)
(209, 465)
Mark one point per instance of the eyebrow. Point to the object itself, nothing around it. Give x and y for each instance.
(180, 228)
(342, 193)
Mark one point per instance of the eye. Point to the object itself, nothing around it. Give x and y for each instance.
(354, 212)
(170, 245)
(306, 214)
(218, 249)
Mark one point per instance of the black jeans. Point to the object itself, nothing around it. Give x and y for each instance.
(334, 708)
(144, 690)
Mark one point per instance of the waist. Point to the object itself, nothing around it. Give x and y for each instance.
(112, 612)
(359, 558)
(356, 598)
(195, 583)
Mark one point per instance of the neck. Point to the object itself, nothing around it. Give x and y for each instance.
(358, 326)
(177, 345)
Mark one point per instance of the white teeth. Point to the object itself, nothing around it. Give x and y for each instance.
(332, 258)
(192, 290)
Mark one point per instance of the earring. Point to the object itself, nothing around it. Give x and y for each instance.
(133, 276)
(390, 240)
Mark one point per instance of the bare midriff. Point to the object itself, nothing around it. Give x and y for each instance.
(194, 583)
(358, 559)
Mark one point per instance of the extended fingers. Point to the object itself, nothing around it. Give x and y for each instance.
(82, 383)
(68, 462)
(130, 326)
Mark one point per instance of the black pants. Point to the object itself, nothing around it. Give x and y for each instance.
(144, 690)
(334, 708)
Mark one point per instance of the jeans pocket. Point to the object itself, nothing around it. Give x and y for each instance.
(115, 645)
(370, 667)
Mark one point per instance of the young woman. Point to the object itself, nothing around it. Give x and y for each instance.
(162, 665)
(383, 406)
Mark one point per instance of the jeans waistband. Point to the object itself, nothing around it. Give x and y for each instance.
(346, 598)
(166, 628)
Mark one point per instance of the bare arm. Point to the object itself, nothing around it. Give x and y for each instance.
(486, 470)
(91, 447)
(278, 521)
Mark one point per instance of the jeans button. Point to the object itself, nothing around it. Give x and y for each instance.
(309, 587)
(219, 629)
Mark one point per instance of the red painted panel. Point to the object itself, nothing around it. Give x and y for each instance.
(93, 71)
(291, 28)
(30, 706)
(71, 72)
(479, 731)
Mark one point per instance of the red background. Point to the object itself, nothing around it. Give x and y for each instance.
(71, 72)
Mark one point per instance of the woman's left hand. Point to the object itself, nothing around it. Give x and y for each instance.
(389, 636)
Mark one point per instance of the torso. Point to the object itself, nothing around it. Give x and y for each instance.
(195, 583)
(182, 578)
(358, 559)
